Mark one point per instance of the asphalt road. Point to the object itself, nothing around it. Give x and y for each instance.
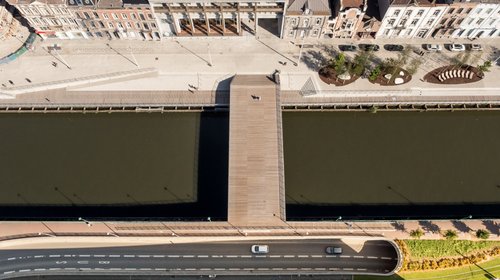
(222, 258)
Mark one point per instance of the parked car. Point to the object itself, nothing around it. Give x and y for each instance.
(330, 250)
(347, 48)
(433, 47)
(260, 249)
(457, 47)
(475, 47)
(394, 48)
(369, 47)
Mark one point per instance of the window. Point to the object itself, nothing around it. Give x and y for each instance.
(114, 16)
(402, 22)
(128, 24)
(391, 22)
(96, 15)
(138, 25)
(105, 16)
(460, 21)
(119, 25)
(290, 33)
(93, 24)
(305, 23)
(421, 33)
(478, 11)
(124, 16)
(443, 21)
(489, 11)
(315, 32)
(436, 12)
(86, 15)
(479, 21)
(153, 25)
(468, 10)
(396, 13)
(408, 13)
(420, 13)
(318, 21)
(150, 16)
(470, 21)
(142, 17)
(101, 24)
(386, 32)
(110, 25)
(56, 10)
(134, 16)
(429, 22)
(460, 11)
(414, 22)
(451, 11)
(492, 22)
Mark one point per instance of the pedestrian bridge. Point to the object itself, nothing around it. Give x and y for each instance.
(256, 173)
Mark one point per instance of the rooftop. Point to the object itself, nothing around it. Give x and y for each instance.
(314, 6)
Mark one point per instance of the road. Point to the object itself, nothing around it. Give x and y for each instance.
(222, 258)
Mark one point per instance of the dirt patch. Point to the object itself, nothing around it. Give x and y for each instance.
(384, 80)
(329, 76)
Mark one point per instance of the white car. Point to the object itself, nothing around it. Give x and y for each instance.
(260, 249)
(433, 47)
(457, 47)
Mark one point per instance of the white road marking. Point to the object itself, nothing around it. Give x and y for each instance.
(67, 256)
(386, 258)
(306, 268)
(99, 256)
(291, 268)
(115, 268)
(55, 268)
(161, 269)
(219, 269)
(85, 268)
(319, 268)
(372, 257)
(158, 256)
(275, 256)
(246, 256)
(190, 269)
(130, 268)
(348, 268)
(235, 269)
(188, 256)
(104, 262)
(344, 256)
(303, 256)
(98, 268)
(11, 259)
(216, 256)
(36, 257)
(82, 262)
(277, 268)
(8, 272)
(261, 256)
(331, 256)
(39, 269)
(231, 256)
(262, 268)
(173, 256)
(205, 269)
(316, 256)
(69, 268)
(288, 256)
(84, 256)
(358, 257)
(202, 256)
(361, 269)
(129, 256)
(144, 256)
(24, 270)
(55, 256)
(145, 269)
(114, 256)
(61, 262)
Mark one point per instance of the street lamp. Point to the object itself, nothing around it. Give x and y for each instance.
(85, 221)
(338, 219)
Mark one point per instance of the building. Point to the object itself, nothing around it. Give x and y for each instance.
(349, 15)
(483, 21)
(116, 19)
(456, 12)
(226, 18)
(308, 19)
(49, 18)
(370, 23)
(409, 18)
(6, 19)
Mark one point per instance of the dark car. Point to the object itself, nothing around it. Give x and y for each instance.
(369, 47)
(347, 48)
(394, 48)
(330, 250)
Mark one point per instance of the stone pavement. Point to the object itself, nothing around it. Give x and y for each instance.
(392, 230)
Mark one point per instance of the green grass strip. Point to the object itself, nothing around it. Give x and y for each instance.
(420, 249)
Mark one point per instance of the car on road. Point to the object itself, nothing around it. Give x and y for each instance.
(394, 48)
(260, 249)
(456, 47)
(348, 48)
(475, 47)
(369, 47)
(331, 250)
(433, 47)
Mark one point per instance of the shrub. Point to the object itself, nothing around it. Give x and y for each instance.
(482, 234)
(416, 233)
(374, 73)
(450, 234)
(485, 67)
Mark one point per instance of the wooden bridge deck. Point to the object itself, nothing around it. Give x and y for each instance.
(256, 191)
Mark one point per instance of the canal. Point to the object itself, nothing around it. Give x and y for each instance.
(174, 165)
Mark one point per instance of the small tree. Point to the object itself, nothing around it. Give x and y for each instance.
(482, 234)
(450, 234)
(416, 233)
(485, 67)
(374, 73)
(340, 64)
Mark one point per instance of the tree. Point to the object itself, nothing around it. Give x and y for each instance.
(482, 234)
(450, 234)
(361, 61)
(485, 67)
(375, 73)
(416, 233)
(340, 64)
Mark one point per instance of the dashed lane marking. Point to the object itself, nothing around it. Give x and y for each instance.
(39, 269)
(319, 268)
(36, 257)
(235, 269)
(68, 256)
(144, 256)
(331, 256)
(278, 268)
(291, 268)
(288, 256)
(347, 268)
(275, 256)
(85, 268)
(202, 256)
(342, 256)
(358, 257)
(69, 268)
(84, 256)
(219, 269)
(173, 256)
(372, 257)
(262, 268)
(261, 256)
(316, 256)
(130, 268)
(24, 270)
(205, 269)
(216, 256)
(11, 259)
(334, 268)
(306, 268)
(129, 256)
(188, 256)
(231, 256)
(115, 268)
(8, 272)
(190, 269)
(145, 269)
(386, 258)
(55, 268)
(99, 256)
(158, 256)
(361, 269)
(114, 256)
(303, 256)
(246, 256)
(54, 256)
(162, 269)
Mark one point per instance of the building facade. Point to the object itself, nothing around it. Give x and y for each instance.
(483, 21)
(116, 19)
(409, 18)
(349, 15)
(233, 18)
(308, 19)
(49, 18)
(6, 19)
(456, 12)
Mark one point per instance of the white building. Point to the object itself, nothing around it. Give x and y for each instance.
(482, 22)
(408, 18)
